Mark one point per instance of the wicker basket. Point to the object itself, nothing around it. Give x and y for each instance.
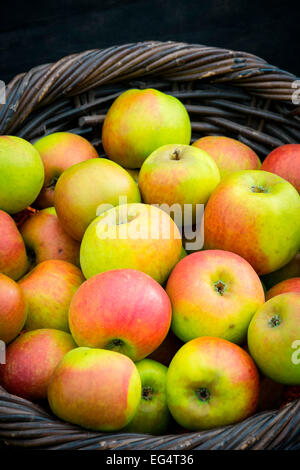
(226, 93)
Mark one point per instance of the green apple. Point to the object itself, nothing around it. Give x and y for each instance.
(256, 215)
(178, 174)
(136, 236)
(274, 338)
(88, 188)
(152, 416)
(140, 121)
(211, 382)
(21, 174)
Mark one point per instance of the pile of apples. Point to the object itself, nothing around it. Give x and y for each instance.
(103, 311)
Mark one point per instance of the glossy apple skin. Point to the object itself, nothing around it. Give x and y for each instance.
(48, 290)
(21, 174)
(285, 162)
(273, 338)
(124, 306)
(289, 270)
(167, 349)
(96, 389)
(82, 188)
(289, 285)
(178, 174)
(13, 309)
(133, 236)
(230, 155)
(46, 239)
(138, 122)
(225, 370)
(199, 309)
(31, 360)
(253, 224)
(58, 152)
(13, 258)
(152, 415)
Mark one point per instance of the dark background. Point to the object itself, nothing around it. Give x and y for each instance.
(35, 32)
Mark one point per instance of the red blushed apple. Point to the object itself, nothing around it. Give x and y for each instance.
(96, 389)
(46, 239)
(213, 293)
(229, 154)
(123, 310)
(13, 310)
(285, 162)
(31, 360)
(58, 152)
(13, 258)
(250, 213)
(48, 290)
(211, 382)
(289, 285)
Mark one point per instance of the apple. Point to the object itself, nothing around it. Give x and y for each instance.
(152, 415)
(58, 152)
(48, 290)
(123, 310)
(210, 383)
(45, 239)
(213, 293)
(13, 309)
(285, 162)
(289, 285)
(136, 236)
(31, 360)
(167, 349)
(178, 174)
(274, 338)
(251, 213)
(13, 257)
(21, 174)
(86, 189)
(289, 270)
(230, 155)
(140, 121)
(96, 389)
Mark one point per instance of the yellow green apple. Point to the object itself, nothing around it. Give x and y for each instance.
(140, 121)
(21, 174)
(13, 257)
(152, 415)
(211, 382)
(136, 236)
(274, 338)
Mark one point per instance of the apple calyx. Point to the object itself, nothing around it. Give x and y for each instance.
(259, 189)
(203, 394)
(274, 321)
(147, 393)
(220, 287)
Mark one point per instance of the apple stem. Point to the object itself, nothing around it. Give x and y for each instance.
(175, 155)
